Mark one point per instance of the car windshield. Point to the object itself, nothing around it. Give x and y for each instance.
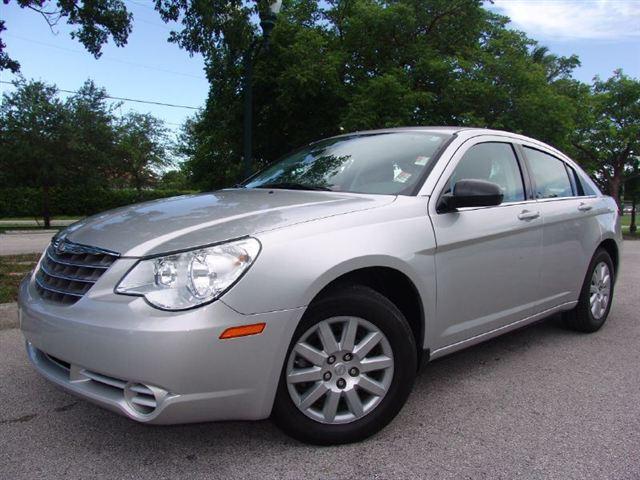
(382, 163)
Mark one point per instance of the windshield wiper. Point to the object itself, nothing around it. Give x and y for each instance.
(294, 186)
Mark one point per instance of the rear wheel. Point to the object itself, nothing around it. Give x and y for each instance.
(594, 303)
(349, 369)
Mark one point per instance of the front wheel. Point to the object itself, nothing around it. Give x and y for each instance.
(349, 369)
(596, 295)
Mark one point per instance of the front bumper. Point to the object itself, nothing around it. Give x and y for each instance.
(107, 347)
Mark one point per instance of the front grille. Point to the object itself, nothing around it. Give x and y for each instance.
(68, 270)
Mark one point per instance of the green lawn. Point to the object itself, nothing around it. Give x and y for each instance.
(13, 268)
(626, 221)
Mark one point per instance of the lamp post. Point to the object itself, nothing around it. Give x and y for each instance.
(267, 22)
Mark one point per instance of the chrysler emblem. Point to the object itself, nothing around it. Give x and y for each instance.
(61, 246)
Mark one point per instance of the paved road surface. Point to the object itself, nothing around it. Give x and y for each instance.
(542, 402)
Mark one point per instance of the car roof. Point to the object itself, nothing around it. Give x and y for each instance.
(451, 130)
(454, 131)
(434, 129)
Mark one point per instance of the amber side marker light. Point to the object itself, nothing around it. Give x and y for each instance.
(243, 331)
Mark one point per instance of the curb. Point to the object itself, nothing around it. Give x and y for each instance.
(8, 315)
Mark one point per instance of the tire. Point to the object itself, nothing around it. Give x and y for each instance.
(582, 318)
(354, 418)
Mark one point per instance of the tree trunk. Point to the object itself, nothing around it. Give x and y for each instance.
(614, 190)
(137, 182)
(46, 211)
(632, 226)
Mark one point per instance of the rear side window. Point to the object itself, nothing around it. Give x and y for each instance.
(495, 162)
(550, 175)
(587, 188)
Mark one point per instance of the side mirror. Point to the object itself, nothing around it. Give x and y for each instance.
(470, 193)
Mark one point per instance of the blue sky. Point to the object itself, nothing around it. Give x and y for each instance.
(604, 33)
(147, 68)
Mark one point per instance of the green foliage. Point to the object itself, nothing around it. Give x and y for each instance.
(47, 142)
(608, 138)
(350, 65)
(52, 145)
(141, 148)
(6, 62)
(13, 269)
(173, 180)
(78, 201)
(96, 21)
(330, 67)
(33, 136)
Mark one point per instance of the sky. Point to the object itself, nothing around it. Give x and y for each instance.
(147, 68)
(605, 34)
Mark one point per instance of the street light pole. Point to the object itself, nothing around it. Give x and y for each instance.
(267, 22)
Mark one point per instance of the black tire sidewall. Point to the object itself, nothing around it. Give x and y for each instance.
(364, 303)
(585, 319)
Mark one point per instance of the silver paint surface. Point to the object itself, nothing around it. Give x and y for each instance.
(479, 273)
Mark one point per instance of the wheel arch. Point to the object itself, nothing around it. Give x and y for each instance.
(395, 285)
(611, 247)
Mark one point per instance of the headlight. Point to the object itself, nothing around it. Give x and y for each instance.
(188, 279)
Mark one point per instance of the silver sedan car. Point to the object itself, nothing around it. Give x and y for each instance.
(312, 292)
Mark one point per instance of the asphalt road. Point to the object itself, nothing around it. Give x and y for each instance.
(542, 402)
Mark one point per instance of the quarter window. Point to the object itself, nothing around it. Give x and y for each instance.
(549, 174)
(587, 189)
(495, 162)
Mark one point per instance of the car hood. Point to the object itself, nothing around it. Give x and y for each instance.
(190, 221)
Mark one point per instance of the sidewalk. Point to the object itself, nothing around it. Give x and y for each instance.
(32, 223)
(27, 242)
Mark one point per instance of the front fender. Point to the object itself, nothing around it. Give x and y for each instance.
(297, 262)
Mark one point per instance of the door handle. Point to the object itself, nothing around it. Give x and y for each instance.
(528, 215)
(584, 207)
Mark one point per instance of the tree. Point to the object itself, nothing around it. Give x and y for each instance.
(92, 137)
(96, 21)
(341, 66)
(77, 144)
(608, 140)
(142, 149)
(173, 180)
(632, 192)
(555, 67)
(33, 139)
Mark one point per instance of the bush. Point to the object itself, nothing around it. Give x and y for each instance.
(27, 202)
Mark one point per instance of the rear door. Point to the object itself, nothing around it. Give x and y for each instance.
(571, 231)
(487, 258)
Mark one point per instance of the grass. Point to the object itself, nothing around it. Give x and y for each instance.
(13, 268)
(626, 221)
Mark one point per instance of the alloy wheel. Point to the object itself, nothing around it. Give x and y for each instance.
(339, 370)
(600, 290)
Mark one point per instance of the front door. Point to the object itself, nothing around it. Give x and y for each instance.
(487, 258)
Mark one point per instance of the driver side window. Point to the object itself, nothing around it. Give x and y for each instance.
(494, 162)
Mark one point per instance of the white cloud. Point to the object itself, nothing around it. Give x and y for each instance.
(574, 19)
